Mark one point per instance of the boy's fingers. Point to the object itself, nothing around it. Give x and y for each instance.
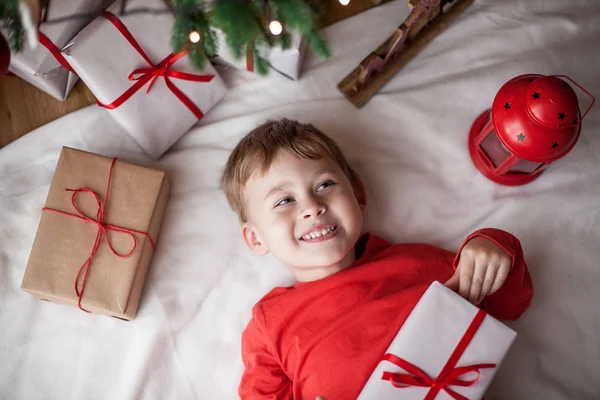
(466, 267)
(320, 398)
(452, 283)
(490, 276)
(501, 276)
(477, 284)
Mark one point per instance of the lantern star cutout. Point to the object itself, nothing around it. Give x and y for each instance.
(520, 137)
(536, 95)
(562, 116)
(554, 145)
(564, 85)
(507, 106)
(531, 79)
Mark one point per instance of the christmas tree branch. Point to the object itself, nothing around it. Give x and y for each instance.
(9, 16)
(242, 22)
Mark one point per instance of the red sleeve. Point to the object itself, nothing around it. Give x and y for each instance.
(263, 376)
(514, 297)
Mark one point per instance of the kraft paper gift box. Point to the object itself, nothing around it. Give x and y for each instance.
(445, 342)
(286, 62)
(44, 66)
(126, 61)
(125, 217)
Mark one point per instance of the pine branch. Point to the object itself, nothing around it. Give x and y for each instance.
(190, 18)
(211, 43)
(261, 48)
(301, 16)
(10, 18)
(242, 21)
(318, 43)
(286, 40)
(238, 20)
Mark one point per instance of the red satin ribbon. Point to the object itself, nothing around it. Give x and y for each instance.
(143, 75)
(449, 376)
(55, 51)
(47, 43)
(102, 231)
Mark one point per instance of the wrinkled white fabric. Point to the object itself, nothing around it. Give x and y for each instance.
(409, 143)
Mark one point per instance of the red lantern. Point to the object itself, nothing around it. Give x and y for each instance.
(534, 121)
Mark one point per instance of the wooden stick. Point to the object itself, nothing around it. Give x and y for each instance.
(412, 47)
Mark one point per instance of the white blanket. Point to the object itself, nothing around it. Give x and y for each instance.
(409, 143)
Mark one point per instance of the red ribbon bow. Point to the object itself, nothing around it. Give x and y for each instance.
(143, 75)
(102, 231)
(449, 376)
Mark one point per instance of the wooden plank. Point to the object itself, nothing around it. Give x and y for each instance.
(24, 107)
(412, 48)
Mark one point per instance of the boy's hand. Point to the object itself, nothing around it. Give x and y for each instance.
(482, 269)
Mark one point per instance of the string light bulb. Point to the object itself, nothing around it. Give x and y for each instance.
(194, 37)
(344, 2)
(275, 27)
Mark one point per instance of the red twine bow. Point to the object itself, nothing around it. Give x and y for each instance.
(449, 376)
(102, 231)
(143, 75)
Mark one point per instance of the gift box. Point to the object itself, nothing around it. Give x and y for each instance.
(286, 62)
(126, 61)
(97, 234)
(446, 349)
(44, 66)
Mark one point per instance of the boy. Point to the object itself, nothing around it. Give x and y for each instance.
(298, 199)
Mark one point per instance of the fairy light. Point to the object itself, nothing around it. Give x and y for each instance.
(275, 27)
(194, 37)
(344, 2)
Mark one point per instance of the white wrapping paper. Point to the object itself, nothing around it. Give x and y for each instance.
(104, 59)
(428, 338)
(285, 62)
(38, 66)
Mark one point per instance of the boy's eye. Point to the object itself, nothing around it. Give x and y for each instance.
(284, 201)
(325, 185)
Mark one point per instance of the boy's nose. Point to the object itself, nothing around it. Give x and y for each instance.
(314, 211)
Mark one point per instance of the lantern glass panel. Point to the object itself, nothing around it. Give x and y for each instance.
(494, 150)
(524, 167)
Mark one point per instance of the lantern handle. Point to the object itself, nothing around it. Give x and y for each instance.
(579, 86)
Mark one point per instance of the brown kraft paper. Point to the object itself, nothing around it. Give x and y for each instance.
(137, 200)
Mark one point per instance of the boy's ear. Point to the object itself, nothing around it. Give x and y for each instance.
(252, 240)
(360, 192)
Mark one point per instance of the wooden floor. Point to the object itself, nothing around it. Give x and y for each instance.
(24, 108)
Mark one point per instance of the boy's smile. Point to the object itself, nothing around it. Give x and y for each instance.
(306, 213)
(320, 233)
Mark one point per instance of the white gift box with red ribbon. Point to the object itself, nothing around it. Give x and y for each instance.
(44, 66)
(127, 61)
(446, 349)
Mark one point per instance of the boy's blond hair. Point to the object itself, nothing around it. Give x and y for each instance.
(256, 152)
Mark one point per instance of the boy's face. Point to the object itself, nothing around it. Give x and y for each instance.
(306, 213)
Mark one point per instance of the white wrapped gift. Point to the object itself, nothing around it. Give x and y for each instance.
(122, 58)
(286, 62)
(446, 349)
(42, 66)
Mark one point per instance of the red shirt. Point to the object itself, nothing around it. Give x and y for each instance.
(327, 336)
